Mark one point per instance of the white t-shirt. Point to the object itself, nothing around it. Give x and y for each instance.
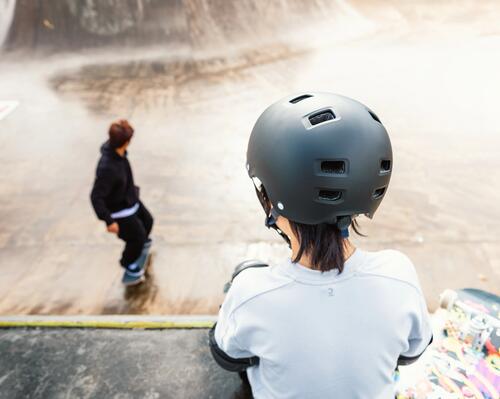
(325, 335)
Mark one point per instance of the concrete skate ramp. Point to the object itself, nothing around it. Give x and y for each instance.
(428, 68)
(74, 24)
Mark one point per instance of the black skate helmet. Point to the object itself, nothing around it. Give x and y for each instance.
(319, 158)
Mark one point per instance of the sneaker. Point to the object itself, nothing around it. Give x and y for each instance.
(131, 278)
(147, 244)
(134, 273)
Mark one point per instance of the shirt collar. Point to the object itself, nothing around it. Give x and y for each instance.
(304, 274)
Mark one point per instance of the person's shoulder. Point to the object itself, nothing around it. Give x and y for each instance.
(256, 281)
(391, 264)
(252, 283)
(105, 164)
(392, 256)
(105, 169)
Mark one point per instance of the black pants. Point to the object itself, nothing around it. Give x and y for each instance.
(134, 230)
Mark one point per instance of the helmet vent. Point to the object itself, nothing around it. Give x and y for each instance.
(333, 167)
(374, 116)
(321, 117)
(330, 195)
(379, 192)
(385, 165)
(300, 98)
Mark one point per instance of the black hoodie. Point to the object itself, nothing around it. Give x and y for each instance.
(114, 188)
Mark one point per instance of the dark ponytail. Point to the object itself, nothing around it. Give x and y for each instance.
(323, 243)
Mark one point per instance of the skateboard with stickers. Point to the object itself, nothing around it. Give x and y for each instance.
(464, 360)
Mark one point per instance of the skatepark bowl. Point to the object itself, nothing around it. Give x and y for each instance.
(192, 76)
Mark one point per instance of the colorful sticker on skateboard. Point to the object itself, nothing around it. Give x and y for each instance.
(464, 362)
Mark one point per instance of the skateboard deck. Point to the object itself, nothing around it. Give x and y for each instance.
(463, 361)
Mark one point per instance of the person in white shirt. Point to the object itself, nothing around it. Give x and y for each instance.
(333, 321)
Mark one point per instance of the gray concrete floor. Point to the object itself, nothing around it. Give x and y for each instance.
(119, 364)
(431, 74)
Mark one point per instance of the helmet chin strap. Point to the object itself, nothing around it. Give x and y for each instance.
(270, 223)
(343, 223)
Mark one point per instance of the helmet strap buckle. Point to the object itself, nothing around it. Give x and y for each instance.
(343, 223)
(270, 223)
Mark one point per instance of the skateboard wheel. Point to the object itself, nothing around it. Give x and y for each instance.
(447, 299)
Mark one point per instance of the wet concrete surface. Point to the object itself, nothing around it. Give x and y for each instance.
(430, 73)
(69, 363)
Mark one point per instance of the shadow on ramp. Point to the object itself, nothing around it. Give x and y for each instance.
(138, 298)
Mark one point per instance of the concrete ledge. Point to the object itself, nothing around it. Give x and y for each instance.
(112, 363)
(109, 321)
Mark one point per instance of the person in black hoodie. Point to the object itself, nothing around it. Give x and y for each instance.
(116, 201)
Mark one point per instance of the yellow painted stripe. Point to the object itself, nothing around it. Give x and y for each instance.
(106, 324)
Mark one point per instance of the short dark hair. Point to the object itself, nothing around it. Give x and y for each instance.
(119, 133)
(323, 243)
